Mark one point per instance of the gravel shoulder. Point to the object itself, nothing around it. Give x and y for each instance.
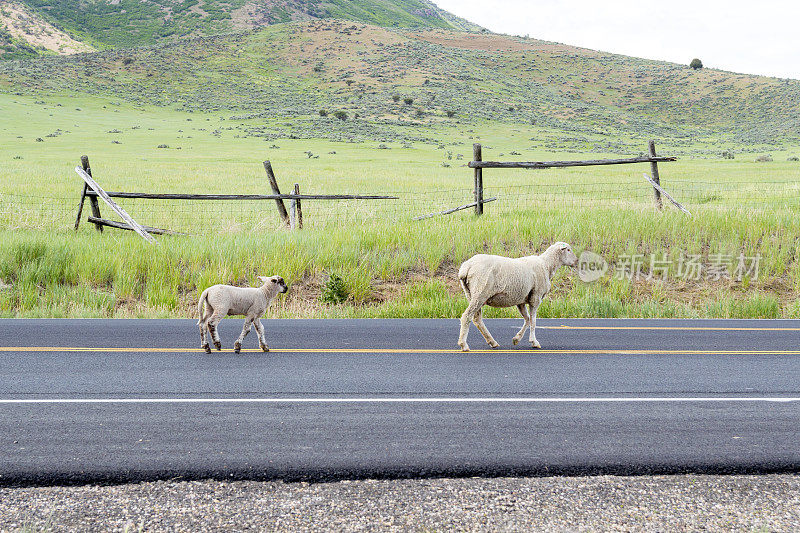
(602, 503)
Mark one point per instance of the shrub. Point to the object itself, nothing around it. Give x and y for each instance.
(127, 61)
(341, 115)
(793, 158)
(335, 290)
(323, 113)
(408, 100)
(396, 97)
(450, 113)
(696, 64)
(727, 154)
(764, 158)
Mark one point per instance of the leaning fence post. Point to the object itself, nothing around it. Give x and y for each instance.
(92, 199)
(275, 190)
(298, 207)
(293, 214)
(476, 156)
(113, 205)
(80, 207)
(654, 171)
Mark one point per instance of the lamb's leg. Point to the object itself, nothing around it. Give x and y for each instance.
(248, 323)
(524, 312)
(478, 320)
(261, 339)
(212, 328)
(533, 310)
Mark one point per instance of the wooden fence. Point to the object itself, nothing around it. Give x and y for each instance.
(292, 218)
(479, 164)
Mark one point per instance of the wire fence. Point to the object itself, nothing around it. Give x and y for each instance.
(57, 212)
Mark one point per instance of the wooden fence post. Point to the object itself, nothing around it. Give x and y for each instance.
(476, 156)
(80, 207)
(275, 190)
(92, 199)
(293, 214)
(299, 207)
(654, 171)
(113, 205)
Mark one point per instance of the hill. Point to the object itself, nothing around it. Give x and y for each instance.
(122, 23)
(25, 33)
(291, 79)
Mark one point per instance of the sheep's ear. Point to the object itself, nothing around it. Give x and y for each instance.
(262, 279)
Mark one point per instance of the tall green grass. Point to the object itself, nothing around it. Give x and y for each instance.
(402, 269)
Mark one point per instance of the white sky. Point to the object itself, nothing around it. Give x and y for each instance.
(754, 37)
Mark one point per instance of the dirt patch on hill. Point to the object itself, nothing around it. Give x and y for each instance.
(496, 43)
(23, 24)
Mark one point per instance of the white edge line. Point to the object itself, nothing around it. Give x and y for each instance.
(399, 400)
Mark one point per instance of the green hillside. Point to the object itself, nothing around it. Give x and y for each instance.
(141, 22)
(290, 80)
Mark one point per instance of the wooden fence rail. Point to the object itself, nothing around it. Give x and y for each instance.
(478, 164)
(560, 164)
(291, 196)
(292, 218)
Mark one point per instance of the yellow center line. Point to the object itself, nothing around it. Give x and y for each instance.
(526, 351)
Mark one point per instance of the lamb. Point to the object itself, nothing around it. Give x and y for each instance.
(504, 282)
(224, 300)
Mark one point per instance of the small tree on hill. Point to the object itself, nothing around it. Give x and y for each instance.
(696, 64)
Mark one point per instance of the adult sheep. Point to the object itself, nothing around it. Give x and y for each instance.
(223, 300)
(505, 282)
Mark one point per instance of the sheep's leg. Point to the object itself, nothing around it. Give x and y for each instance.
(478, 320)
(203, 324)
(203, 341)
(261, 339)
(212, 328)
(524, 312)
(473, 307)
(248, 323)
(533, 310)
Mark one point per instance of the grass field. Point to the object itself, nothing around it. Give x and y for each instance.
(391, 265)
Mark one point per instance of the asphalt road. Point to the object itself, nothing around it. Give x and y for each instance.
(131, 400)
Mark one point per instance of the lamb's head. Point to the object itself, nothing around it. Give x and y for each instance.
(274, 284)
(565, 254)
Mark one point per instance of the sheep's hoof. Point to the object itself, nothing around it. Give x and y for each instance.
(207, 348)
(515, 341)
(218, 345)
(464, 347)
(535, 344)
(237, 348)
(264, 348)
(493, 344)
